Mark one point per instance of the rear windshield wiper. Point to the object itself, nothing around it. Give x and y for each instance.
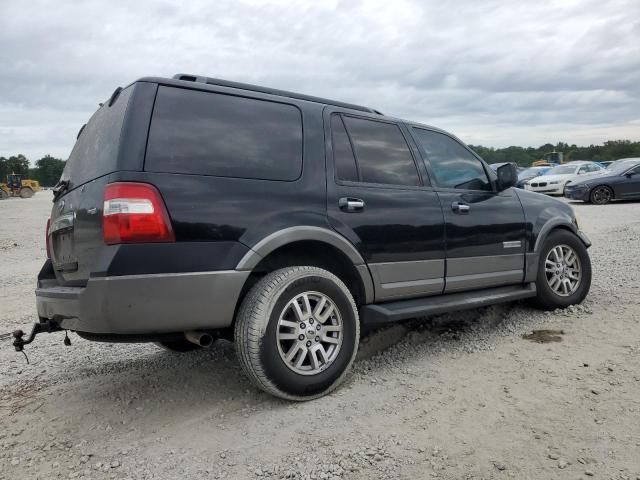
(60, 188)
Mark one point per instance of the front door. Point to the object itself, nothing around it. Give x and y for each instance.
(629, 187)
(485, 234)
(379, 197)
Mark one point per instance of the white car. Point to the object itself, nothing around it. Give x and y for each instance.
(554, 181)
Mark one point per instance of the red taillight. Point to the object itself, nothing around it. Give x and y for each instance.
(134, 213)
(46, 238)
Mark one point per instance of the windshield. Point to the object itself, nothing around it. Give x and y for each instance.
(562, 170)
(621, 166)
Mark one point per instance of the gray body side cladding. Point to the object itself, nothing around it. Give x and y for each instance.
(407, 279)
(145, 304)
(468, 273)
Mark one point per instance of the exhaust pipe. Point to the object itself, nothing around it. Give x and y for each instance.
(202, 339)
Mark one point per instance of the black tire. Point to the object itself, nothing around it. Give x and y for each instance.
(601, 195)
(180, 346)
(26, 192)
(256, 329)
(3, 195)
(546, 298)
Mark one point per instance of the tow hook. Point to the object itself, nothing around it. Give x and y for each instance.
(41, 327)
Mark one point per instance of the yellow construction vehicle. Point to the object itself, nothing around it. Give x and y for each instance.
(17, 186)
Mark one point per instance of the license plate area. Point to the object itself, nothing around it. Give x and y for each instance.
(64, 259)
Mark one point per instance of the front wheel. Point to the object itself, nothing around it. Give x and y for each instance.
(564, 271)
(297, 332)
(26, 192)
(601, 195)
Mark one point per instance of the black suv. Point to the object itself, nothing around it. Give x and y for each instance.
(194, 208)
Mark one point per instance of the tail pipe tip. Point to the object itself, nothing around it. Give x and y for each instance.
(201, 339)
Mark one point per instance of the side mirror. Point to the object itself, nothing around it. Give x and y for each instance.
(507, 176)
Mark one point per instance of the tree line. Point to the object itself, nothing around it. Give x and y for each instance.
(524, 156)
(47, 170)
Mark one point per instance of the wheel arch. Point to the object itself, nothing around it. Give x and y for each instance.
(552, 225)
(532, 258)
(313, 246)
(598, 185)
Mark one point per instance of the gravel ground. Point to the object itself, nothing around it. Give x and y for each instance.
(460, 396)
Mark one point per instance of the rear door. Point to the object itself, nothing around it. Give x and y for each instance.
(484, 229)
(379, 197)
(103, 146)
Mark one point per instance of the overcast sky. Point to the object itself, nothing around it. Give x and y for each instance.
(494, 73)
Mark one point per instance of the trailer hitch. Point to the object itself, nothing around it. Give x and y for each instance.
(46, 326)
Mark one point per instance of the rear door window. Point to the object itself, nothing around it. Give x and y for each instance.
(207, 133)
(381, 152)
(346, 168)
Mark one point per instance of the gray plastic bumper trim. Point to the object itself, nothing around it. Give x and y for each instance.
(145, 304)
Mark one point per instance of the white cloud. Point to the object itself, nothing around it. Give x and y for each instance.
(495, 73)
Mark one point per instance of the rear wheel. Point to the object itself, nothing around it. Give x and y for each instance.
(3, 195)
(564, 271)
(601, 195)
(26, 192)
(178, 346)
(297, 332)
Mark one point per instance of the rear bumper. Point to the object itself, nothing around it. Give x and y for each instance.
(144, 304)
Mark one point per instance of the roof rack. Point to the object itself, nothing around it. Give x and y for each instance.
(283, 93)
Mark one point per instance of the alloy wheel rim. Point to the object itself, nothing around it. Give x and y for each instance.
(309, 333)
(563, 270)
(602, 195)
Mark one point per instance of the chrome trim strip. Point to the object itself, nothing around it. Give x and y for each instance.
(514, 244)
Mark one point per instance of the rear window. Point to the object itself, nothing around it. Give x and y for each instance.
(206, 133)
(96, 151)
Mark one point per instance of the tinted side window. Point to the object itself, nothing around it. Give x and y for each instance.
(214, 134)
(382, 153)
(345, 162)
(452, 164)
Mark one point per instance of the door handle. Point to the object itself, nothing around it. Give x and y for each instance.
(459, 207)
(351, 204)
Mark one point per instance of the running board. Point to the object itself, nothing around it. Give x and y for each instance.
(420, 307)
